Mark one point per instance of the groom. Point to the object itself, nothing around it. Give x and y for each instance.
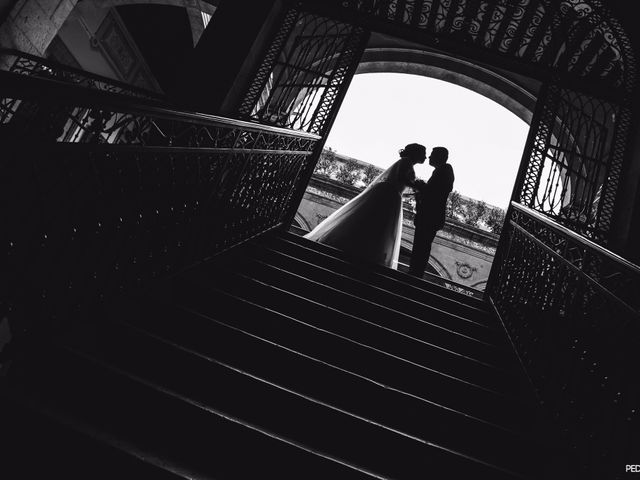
(431, 202)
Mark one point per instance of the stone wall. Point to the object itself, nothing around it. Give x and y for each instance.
(31, 25)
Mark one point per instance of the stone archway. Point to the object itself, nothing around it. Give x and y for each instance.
(518, 98)
(439, 268)
(300, 221)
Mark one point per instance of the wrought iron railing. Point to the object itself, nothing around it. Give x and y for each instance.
(26, 64)
(572, 309)
(101, 194)
(574, 37)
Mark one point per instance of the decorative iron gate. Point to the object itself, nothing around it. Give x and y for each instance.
(573, 160)
(305, 73)
(303, 79)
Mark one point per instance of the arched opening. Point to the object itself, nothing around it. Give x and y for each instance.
(381, 113)
(517, 94)
(504, 52)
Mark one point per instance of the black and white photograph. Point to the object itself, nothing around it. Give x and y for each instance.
(320, 239)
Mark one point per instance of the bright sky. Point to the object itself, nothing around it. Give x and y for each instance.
(382, 112)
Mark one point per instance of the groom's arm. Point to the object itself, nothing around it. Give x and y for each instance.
(419, 185)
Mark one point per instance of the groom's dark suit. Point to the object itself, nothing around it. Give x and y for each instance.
(431, 204)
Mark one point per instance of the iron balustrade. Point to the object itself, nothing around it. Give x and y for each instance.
(578, 38)
(572, 310)
(614, 273)
(102, 194)
(31, 65)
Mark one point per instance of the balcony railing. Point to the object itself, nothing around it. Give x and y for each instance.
(103, 193)
(26, 64)
(572, 310)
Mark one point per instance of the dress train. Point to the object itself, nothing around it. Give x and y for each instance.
(369, 226)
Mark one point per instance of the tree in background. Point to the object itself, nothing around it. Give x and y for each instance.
(476, 211)
(370, 173)
(455, 208)
(343, 170)
(327, 164)
(495, 219)
(349, 172)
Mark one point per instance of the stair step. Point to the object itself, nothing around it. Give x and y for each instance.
(154, 419)
(385, 329)
(319, 426)
(407, 285)
(318, 342)
(273, 363)
(283, 358)
(346, 284)
(355, 318)
(35, 445)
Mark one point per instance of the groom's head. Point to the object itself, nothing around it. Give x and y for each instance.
(438, 157)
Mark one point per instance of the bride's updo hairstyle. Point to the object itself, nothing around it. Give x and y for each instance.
(412, 150)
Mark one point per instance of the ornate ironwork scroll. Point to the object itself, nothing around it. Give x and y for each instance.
(303, 74)
(574, 160)
(572, 312)
(576, 38)
(116, 194)
(31, 65)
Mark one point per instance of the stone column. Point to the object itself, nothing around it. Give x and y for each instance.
(31, 24)
(228, 53)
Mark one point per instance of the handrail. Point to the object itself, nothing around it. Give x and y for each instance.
(587, 278)
(635, 269)
(119, 190)
(55, 92)
(76, 71)
(572, 311)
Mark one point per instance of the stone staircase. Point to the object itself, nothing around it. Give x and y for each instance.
(282, 359)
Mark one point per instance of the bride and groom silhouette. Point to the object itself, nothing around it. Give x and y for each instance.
(369, 226)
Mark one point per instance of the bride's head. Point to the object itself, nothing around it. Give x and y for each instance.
(415, 152)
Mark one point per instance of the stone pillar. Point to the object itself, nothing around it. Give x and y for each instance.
(228, 53)
(31, 24)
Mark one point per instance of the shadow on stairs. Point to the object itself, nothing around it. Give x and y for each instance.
(281, 359)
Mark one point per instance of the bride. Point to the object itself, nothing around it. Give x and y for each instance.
(369, 226)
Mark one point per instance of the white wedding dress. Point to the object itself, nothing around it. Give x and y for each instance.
(369, 226)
